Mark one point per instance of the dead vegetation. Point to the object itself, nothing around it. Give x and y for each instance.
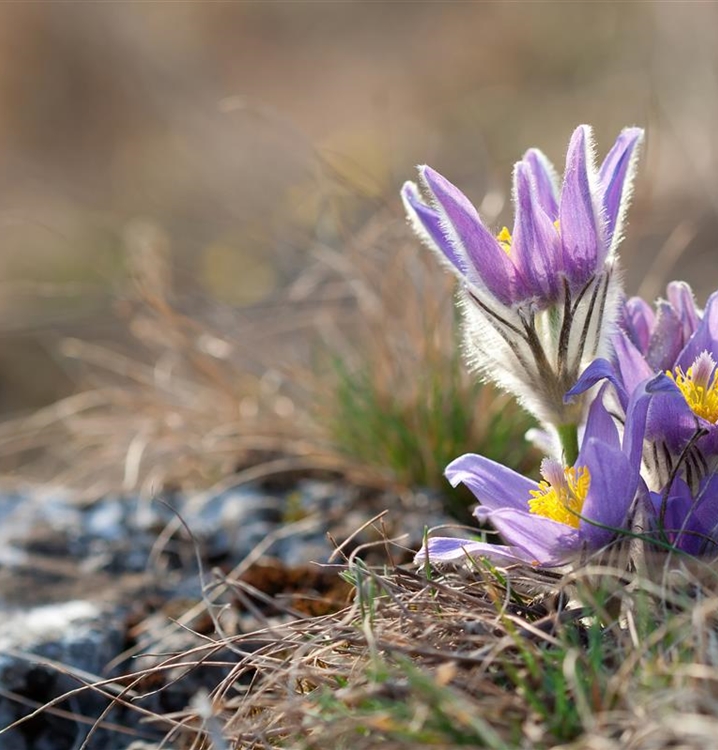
(596, 658)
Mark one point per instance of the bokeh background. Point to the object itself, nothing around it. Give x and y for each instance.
(237, 134)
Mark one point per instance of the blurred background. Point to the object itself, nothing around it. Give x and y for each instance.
(234, 139)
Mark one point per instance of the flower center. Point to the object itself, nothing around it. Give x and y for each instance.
(699, 386)
(561, 494)
(504, 239)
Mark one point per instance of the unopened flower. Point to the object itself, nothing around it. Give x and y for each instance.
(572, 509)
(539, 302)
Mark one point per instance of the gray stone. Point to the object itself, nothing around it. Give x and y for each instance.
(46, 652)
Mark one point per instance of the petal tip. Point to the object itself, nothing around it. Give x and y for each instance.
(410, 194)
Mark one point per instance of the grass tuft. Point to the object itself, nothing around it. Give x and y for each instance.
(414, 434)
(473, 657)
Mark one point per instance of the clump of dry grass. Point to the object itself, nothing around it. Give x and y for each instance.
(594, 658)
(598, 658)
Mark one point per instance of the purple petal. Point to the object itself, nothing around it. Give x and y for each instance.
(638, 320)
(584, 249)
(541, 540)
(428, 223)
(706, 336)
(676, 515)
(670, 419)
(600, 369)
(536, 246)
(632, 366)
(616, 177)
(680, 295)
(544, 179)
(610, 494)
(599, 425)
(656, 401)
(447, 549)
(706, 512)
(666, 340)
(466, 231)
(494, 485)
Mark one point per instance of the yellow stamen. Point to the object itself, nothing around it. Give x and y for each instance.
(563, 501)
(700, 393)
(504, 238)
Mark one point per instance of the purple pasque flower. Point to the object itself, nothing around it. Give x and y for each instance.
(681, 342)
(566, 234)
(572, 509)
(681, 450)
(538, 302)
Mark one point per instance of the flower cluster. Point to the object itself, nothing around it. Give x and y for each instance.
(628, 393)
